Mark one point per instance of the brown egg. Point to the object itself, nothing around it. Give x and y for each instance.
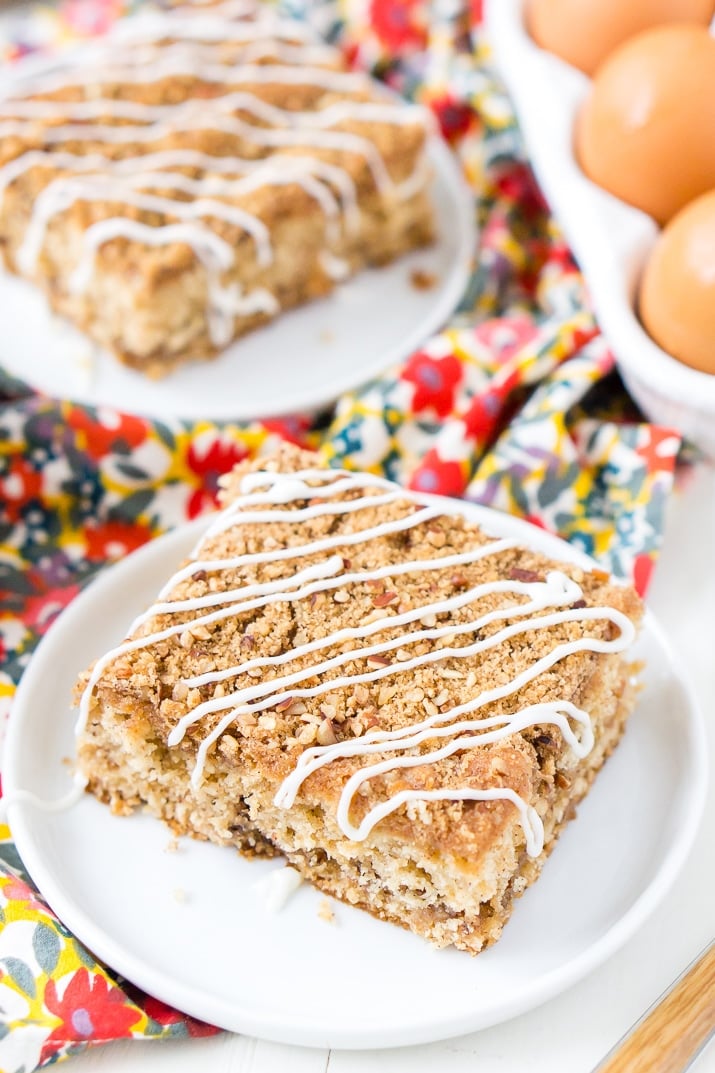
(583, 32)
(646, 131)
(677, 292)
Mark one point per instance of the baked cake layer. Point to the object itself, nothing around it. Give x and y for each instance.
(187, 179)
(404, 706)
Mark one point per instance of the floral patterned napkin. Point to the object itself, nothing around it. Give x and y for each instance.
(515, 404)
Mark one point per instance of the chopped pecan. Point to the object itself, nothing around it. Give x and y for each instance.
(518, 574)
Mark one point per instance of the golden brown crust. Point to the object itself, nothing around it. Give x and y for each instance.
(478, 838)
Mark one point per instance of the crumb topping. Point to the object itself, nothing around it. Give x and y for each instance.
(158, 678)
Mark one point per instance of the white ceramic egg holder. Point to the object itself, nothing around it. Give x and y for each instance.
(610, 240)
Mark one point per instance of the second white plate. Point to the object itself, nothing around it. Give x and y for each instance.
(304, 360)
(191, 927)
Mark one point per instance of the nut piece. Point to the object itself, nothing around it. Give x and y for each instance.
(422, 280)
(362, 694)
(180, 691)
(517, 574)
(326, 733)
(449, 672)
(325, 911)
(383, 599)
(308, 734)
(378, 661)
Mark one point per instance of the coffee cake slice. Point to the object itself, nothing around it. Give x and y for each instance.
(406, 708)
(187, 179)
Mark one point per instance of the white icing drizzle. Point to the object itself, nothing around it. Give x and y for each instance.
(236, 709)
(26, 797)
(378, 624)
(278, 887)
(336, 268)
(229, 301)
(215, 254)
(399, 748)
(172, 65)
(281, 689)
(415, 182)
(263, 136)
(59, 195)
(224, 301)
(528, 816)
(105, 107)
(231, 9)
(159, 28)
(285, 52)
(167, 46)
(139, 170)
(227, 8)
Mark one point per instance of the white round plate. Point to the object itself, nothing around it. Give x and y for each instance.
(191, 927)
(303, 360)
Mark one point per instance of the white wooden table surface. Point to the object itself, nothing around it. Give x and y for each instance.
(572, 1032)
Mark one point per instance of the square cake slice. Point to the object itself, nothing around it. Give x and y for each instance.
(184, 180)
(405, 707)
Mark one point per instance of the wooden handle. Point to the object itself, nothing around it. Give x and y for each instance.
(675, 1028)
